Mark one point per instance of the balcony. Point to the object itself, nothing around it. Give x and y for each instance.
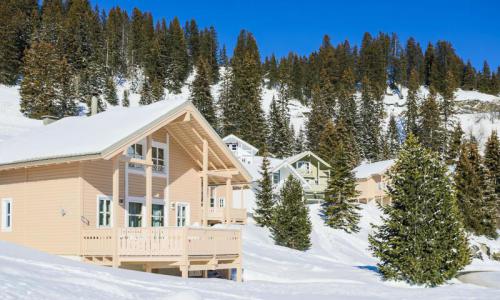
(218, 215)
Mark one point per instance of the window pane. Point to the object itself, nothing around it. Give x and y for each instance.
(160, 153)
(138, 149)
(101, 205)
(134, 208)
(101, 219)
(155, 151)
(135, 221)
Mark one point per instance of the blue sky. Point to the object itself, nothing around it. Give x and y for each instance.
(473, 27)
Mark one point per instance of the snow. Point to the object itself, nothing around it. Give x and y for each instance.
(254, 168)
(83, 135)
(368, 169)
(338, 266)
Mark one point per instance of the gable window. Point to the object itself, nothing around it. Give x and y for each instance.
(158, 159)
(6, 214)
(135, 151)
(134, 214)
(158, 216)
(304, 165)
(181, 212)
(276, 177)
(104, 211)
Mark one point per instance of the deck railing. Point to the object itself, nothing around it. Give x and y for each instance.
(161, 241)
(218, 214)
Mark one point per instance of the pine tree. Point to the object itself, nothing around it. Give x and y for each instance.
(393, 138)
(299, 145)
(412, 104)
(146, 93)
(178, 66)
(421, 239)
(125, 100)
(469, 78)
(280, 138)
(110, 92)
(317, 120)
(264, 201)
(454, 145)
(492, 161)
(157, 90)
(475, 192)
(430, 124)
(338, 208)
(484, 81)
(47, 87)
(291, 226)
(370, 129)
(201, 95)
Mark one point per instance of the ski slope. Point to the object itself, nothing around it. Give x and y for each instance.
(338, 266)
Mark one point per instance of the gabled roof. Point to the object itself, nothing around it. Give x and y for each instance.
(370, 169)
(232, 136)
(109, 133)
(297, 157)
(254, 167)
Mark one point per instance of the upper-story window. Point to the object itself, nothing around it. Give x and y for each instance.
(158, 156)
(232, 146)
(158, 159)
(276, 177)
(304, 165)
(135, 151)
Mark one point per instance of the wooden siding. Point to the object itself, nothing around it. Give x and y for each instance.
(46, 207)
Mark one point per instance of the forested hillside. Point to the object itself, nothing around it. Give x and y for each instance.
(61, 53)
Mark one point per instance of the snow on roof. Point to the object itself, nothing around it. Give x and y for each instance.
(367, 170)
(255, 166)
(76, 136)
(294, 158)
(232, 136)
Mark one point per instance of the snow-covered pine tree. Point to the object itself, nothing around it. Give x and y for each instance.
(476, 196)
(146, 93)
(110, 92)
(201, 95)
(412, 104)
(370, 129)
(339, 210)
(300, 142)
(454, 145)
(430, 124)
(492, 161)
(280, 139)
(291, 226)
(393, 138)
(317, 119)
(421, 239)
(178, 66)
(157, 89)
(264, 201)
(125, 100)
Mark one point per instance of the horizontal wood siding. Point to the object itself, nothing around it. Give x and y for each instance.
(46, 207)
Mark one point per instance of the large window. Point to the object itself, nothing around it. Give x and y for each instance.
(157, 218)
(136, 151)
(158, 159)
(6, 214)
(104, 211)
(276, 177)
(134, 214)
(181, 214)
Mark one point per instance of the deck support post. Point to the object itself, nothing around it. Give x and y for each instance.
(116, 207)
(149, 180)
(205, 273)
(205, 183)
(229, 201)
(238, 273)
(184, 271)
(147, 268)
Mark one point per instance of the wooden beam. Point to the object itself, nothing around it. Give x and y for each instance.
(134, 160)
(201, 152)
(149, 180)
(229, 200)
(197, 161)
(223, 173)
(205, 183)
(209, 148)
(116, 207)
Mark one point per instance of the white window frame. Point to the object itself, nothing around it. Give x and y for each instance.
(188, 213)
(105, 198)
(302, 163)
(142, 201)
(279, 177)
(142, 171)
(221, 202)
(7, 227)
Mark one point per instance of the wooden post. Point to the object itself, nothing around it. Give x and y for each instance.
(238, 273)
(166, 191)
(116, 208)
(184, 271)
(149, 180)
(229, 200)
(205, 183)
(147, 268)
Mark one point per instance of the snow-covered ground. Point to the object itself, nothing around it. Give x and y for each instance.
(338, 266)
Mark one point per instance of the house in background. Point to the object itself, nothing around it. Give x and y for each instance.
(371, 181)
(311, 171)
(129, 187)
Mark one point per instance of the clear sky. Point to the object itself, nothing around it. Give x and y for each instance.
(473, 27)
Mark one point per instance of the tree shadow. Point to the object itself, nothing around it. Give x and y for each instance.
(369, 268)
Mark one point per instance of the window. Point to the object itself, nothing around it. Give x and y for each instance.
(212, 202)
(158, 215)
(276, 177)
(304, 165)
(135, 151)
(158, 159)
(134, 214)
(104, 211)
(181, 214)
(6, 214)
(222, 202)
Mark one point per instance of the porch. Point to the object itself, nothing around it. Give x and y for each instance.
(187, 249)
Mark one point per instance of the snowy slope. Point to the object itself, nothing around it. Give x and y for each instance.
(337, 267)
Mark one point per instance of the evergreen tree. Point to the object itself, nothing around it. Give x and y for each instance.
(430, 124)
(280, 138)
(146, 93)
(110, 93)
(178, 66)
(338, 138)
(492, 161)
(393, 138)
(317, 119)
(125, 100)
(370, 129)
(338, 208)
(157, 90)
(226, 106)
(421, 239)
(264, 201)
(484, 81)
(47, 87)
(201, 95)
(469, 78)
(300, 142)
(454, 146)
(412, 104)
(291, 226)
(475, 192)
